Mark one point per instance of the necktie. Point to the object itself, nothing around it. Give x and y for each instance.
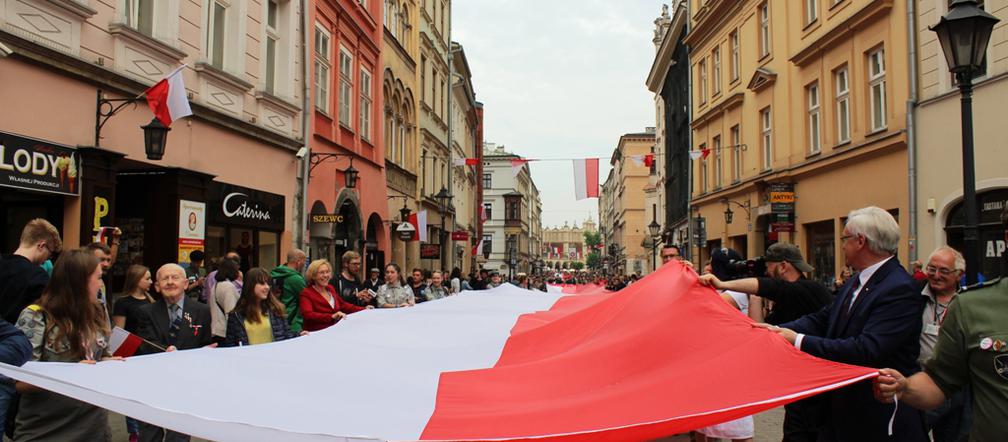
(176, 322)
(848, 302)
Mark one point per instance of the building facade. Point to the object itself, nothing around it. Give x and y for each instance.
(464, 178)
(800, 108)
(243, 76)
(347, 106)
(938, 195)
(400, 53)
(565, 245)
(668, 192)
(508, 200)
(628, 224)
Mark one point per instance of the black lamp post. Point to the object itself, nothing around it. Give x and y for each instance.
(654, 228)
(155, 138)
(964, 34)
(350, 176)
(728, 215)
(443, 198)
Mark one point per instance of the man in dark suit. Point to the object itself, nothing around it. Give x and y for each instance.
(874, 321)
(174, 324)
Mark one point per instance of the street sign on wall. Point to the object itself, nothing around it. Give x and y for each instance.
(430, 251)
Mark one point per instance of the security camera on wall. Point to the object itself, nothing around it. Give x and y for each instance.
(301, 153)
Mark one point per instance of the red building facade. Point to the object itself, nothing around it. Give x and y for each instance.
(346, 129)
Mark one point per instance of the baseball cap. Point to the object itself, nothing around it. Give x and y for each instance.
(780, 252)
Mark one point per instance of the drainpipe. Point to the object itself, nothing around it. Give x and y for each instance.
(911, 129)
(448, 251)
(302, 197)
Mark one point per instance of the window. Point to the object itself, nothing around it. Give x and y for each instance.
(322, 66)
(272, 36)
(216, 34)
(487, 243)
(702, 68)
(444, 97)
(140, 16)
(736, 154)
(346, 86)
(811, 11)
(703, 170)
(513, 212)
(767, 139)
(764, 24)
(840, 77)
(734, 56)
(718, 170)
(812, 92)
(487, 210)
(716, 66)
(365, 104)
(433, 89)
(423, 79)
(876, 87)
(486, 183)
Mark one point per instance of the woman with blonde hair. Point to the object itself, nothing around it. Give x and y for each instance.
(259, 316)
(67, 325)
(320, 305)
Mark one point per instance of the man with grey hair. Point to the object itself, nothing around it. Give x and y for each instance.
(874, 321)
(971, 352)
(950, 421)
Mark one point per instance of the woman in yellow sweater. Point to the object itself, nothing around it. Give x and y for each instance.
(258, 318)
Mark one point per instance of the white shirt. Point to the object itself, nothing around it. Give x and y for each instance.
(863, 278)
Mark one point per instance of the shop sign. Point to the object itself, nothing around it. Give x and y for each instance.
(26, 163)
(236, 205)
(405, 231)
(430, 251)
(327, 218)
(460, 235)
(782, 227)
(781, 197)
(192, 228)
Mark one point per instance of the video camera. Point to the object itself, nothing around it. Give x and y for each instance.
(747, 268)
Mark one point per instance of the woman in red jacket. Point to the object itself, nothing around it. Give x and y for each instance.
(320, 306)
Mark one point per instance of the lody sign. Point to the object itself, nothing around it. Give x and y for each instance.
(31, 164)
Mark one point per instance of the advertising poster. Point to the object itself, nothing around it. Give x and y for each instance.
(192, 228)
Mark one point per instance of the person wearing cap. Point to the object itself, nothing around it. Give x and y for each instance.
(374, 280)
(793, 296)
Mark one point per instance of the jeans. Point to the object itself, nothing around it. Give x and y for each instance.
(952, 420)
(6, 394)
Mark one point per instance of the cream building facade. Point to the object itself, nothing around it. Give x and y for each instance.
(513, 208)
(402, 106)
(629, 216)
(806, 100)
(564, 245)
(465, 142)
(939, 146)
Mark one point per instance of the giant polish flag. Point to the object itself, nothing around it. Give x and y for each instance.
(168, 99)
(586, 180)
(660, 357)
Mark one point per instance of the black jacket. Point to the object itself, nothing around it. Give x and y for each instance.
(792, 300)
(194, 332)
(21, 283)
(238, 336)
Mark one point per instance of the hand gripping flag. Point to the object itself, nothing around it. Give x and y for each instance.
(167, 98)
(658, 358)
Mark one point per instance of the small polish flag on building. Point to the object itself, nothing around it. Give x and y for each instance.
(167, 98)
(419, 221)
(465, 161)
(123, 343)
(586, 179)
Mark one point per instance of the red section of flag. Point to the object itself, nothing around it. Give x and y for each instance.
(704, 153)
(123, 343)
(471, 161)
(660, 357)
(157, 99)
(591, 177)
(649, 160)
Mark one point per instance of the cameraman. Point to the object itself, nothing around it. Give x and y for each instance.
(792, 294)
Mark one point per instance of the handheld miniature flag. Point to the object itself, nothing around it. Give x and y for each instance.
(123, 343)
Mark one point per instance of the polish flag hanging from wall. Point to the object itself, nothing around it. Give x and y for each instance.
(507, 364)
(167, 98)
(465, 161)
(419, 222)
(586, 179)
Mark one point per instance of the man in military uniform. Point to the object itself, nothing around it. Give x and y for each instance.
(972, 350)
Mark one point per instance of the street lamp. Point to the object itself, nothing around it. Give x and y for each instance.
(964, 34)
(155, 138)
(443, 198)
(155, 133)
(654, 228)
(349, 174)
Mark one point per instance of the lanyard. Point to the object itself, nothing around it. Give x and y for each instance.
(935, 317)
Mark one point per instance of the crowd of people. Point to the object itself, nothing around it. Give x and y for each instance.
(942, 347)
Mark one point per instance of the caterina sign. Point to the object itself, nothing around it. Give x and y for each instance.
(31, 164)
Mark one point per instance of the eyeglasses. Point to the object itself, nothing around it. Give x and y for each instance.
(846, 237)
(931, 270)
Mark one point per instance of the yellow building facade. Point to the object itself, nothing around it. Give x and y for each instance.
(806, 100)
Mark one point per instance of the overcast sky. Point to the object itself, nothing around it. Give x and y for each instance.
(560, 79)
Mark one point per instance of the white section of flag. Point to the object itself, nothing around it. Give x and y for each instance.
(388, 367)
(422, 225)
(178, 101)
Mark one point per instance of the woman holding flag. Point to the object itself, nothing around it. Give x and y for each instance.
(67, 325)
